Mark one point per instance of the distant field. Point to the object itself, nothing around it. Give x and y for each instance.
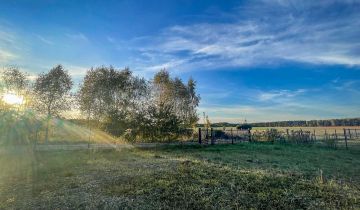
(318, 130)
(242, 176)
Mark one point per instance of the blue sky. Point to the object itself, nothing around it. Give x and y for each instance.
(263, 60)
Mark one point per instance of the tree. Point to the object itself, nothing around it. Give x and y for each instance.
(17, 126)
(52, 94)
(173, 104)
(130, 106)
(112, 97)
(194, 103)
(13, 81)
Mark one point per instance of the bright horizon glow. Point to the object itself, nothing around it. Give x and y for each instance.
(13, 99)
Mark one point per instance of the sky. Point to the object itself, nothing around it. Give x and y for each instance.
(259, 60)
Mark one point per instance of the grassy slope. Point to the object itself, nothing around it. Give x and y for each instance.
(66, 132)
(223, 176)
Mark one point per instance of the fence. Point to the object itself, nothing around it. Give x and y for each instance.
(221, 136)
(346, 137)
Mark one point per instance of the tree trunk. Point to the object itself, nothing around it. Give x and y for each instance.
(47, 129)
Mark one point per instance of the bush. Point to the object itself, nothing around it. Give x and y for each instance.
(19, 127)
(244, 127)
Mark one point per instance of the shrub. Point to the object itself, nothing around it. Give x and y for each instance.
(244, 127)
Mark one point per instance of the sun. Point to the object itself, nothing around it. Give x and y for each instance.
(13, 99)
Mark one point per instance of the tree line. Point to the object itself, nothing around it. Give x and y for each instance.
(114, 100)
(295, 123)
(310, 123)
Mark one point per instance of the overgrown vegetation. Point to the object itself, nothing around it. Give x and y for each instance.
(243, 176)
(124, 105)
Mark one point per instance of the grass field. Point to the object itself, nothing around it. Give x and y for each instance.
(242, 176)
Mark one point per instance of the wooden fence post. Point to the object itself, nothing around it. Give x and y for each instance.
(349, 133)
(326, 137)
(207, 135)
(199, 136)
(356, 133)
(249, 132)
(287, 134)
(232, 137)
(314, 135)
(336, 137)
(212, 136)
(345, 138)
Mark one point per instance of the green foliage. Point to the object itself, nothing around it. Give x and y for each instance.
(14, 80)
(19, 127)
(270, 135)
(112, 97)
(244, 127)
(115, 123)
(52, 92)
(134, 108)
(182, 99)
(220, 134)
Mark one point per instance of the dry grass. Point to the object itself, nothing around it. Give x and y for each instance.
(318, 130)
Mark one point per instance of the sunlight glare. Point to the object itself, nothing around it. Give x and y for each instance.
(13, 99)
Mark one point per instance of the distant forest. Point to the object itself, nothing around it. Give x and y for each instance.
(297, 123)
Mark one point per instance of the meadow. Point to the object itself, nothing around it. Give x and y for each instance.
(241, 176)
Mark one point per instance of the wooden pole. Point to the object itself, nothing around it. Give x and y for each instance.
(199, 136)
(326, 137)
(212, 136)
(287, 134)
(249, 133)
(345, 138)
(336, 137)
(206, 139)
(349, 133)
(232, 137)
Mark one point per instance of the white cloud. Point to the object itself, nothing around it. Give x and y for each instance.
(266, 33)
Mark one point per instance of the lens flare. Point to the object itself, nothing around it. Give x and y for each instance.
(13, 99)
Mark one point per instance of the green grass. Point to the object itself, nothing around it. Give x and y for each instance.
(243, 176)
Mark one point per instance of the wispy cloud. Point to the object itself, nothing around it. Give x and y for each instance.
(6, 56)
(110, 39)
(279, 95)
(44, 40)
(9, 44)
(285, 31)
(77, 36)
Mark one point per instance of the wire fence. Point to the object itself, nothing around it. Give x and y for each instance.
(346, 137)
